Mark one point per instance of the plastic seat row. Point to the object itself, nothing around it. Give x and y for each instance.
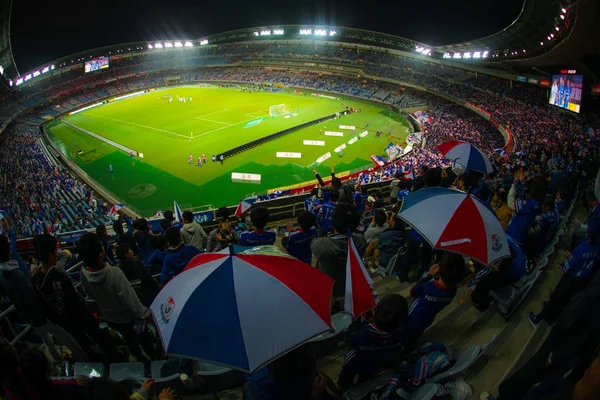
(507, 299)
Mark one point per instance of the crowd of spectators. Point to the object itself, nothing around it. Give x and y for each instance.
(528, 190)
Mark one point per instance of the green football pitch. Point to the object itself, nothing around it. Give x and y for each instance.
(216, 120)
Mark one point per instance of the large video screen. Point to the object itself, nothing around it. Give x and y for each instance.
(96, 64)
(565, 91)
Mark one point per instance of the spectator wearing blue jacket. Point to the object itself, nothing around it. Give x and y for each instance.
(377, 344)
(578, 267)
(325, 213)
(259, 236)
(178, 255)
(506, 272)
(390, 241)
(433, 294)
(525, 209)
(542, 231)
(298, 243)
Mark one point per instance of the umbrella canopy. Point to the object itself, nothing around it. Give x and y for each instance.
(467, 155)
(360, 290)
(455, 221)
(245, 205)
(115, 208)
(177, 214)
(243, 310)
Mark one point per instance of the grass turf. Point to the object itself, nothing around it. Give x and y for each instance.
(214, 121)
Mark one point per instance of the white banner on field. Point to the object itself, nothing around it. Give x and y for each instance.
(347, 127)
(285, 154)
(314, 143)
(240, 176)
(325, 96)
(324, 157)
(353, 140)
(330, 133)
(363, 134)
(341, 147)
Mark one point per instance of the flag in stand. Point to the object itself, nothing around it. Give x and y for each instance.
(177, 212)
(160, 214)
(115, 208)
(500, 152)
(245, 205)
(379, 160)
(2, 214)
(410, 174)
(360, 290)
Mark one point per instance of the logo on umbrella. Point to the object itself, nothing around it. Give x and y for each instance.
(496, 245)
(167, 309)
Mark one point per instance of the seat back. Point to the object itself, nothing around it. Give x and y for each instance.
(132, 370)
(89, 369)
(464, 359)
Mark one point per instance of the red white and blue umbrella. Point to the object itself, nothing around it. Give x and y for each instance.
(115, 208)
(245, 205)
(242, 311)
(360, 294)
(455, 221)
(467, 155)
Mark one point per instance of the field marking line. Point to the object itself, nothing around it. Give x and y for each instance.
(231, 108)
(143, 126)
(212, 120)
(225, 127)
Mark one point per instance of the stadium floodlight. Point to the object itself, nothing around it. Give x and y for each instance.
(35, 73)
(549, 38)
(477, 54)
(278, 31)
(46, 69)
(552, 35)
(189, 44)
(158, 45)
(265, 33)
(19, 81)
(447, 55)
(332, 33)
(457, 55)
(562, 16)
(542, 43)
(467, 55)
(167, 44)
(10, 82)
(564, 10)
(485, 54)
(178, 44)
(256, 33)
(557, 28)
(27, 77)
(306, 31)
(320, 32)
(202, 42)
(524, 51)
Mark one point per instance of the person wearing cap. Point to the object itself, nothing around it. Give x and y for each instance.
(579, 267)
(222, 236)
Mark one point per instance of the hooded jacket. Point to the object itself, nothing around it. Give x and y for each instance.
(176, 260)
(332, 253)
(193, 234)
(113, 293)
(19, 289)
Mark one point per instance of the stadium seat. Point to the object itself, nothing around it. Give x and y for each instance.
(508, 298)
(327, 342)
(89, 369)
(131, 370)
(217, 377)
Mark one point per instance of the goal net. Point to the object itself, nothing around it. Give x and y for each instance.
(279, 109)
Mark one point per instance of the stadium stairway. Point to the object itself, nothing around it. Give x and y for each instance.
(510, 342)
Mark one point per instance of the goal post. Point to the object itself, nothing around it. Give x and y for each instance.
(279, 109)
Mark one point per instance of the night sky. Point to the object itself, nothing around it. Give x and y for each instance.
(45, 31)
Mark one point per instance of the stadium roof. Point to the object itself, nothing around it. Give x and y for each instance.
(572, 24)
(7, 63)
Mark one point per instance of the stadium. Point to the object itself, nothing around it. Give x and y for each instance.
(260, 153)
